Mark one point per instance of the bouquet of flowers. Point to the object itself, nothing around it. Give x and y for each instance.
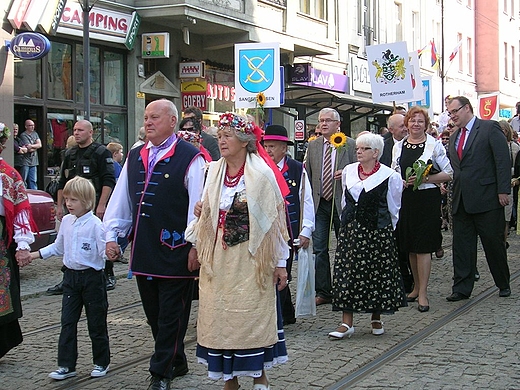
(420, 170)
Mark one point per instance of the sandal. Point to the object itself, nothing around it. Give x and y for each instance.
(377, 331)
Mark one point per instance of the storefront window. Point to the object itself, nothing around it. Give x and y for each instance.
(60, 71)
(94, 78)
(59, 127)
(114, 78)
(28, 78)
(97, 125)
(115, 129)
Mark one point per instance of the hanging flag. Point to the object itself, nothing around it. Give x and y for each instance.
(435, 58)
(421, 51)
(455, 51)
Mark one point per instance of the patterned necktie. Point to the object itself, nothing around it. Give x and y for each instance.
(462, 139)
(154, 151)
(327, 173)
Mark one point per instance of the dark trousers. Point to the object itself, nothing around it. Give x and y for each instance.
(489, 226)
(404, 266)
(321, 238)
(167, 305)
(285, 293)
(84, 289)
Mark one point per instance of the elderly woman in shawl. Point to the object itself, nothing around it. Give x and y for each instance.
(241, 239)
(15, 225)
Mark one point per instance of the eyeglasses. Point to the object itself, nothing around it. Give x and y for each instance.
(327, 120)
(419, 122)
(363, 148)
(446, 139)
(188, 128)
(456, 110)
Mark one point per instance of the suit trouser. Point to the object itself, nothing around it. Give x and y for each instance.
(167, 305)
(320, 238)
(285, 294)
(489, 226)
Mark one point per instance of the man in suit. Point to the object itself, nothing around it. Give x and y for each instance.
(330, 121)
(398, 131)
(481, 165)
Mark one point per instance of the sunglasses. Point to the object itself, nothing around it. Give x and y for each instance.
(445, 139)
(450, 126)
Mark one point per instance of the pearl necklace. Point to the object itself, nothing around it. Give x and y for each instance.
(374, 170)
(232, 181)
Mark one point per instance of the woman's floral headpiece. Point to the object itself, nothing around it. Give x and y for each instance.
(4, 131)
(236, 122)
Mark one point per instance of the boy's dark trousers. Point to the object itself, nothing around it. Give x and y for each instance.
(87, 289)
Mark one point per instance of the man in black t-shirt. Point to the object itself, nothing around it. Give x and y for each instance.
(92, 161)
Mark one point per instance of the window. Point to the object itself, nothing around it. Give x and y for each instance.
(461, 53)
(513, 66)
(113, 72)
(506, 60)
(60, 71)
(416, 32)
(315, 8)
(469, 54)
(94, 76)
(399, 22)
(28, 78)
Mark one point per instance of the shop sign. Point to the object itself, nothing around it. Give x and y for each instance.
(132, 31)
(104, 25)
(17, 12)
(30, 46)
(359, 75)
(194, 93)
(300, 73)
(189, 70)
(155, 45)
(51, 16)
(257, 70)
(322, 79)
(221, 92)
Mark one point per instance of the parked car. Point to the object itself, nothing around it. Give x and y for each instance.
(44, 214)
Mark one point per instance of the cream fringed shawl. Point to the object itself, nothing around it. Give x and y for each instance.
(267, 219)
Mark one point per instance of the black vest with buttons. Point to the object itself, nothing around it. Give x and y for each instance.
(293, 177)
(159, 213)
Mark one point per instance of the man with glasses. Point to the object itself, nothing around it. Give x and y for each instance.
(208, 141)
(326, 192)
(31, 141)
(481, 165)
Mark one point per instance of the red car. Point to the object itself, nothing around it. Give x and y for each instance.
(44, 214)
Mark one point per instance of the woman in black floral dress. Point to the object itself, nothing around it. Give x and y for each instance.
(366, 271)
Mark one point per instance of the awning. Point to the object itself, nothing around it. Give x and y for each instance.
(317, 98)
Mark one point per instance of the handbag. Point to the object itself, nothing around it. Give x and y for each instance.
(305, 288)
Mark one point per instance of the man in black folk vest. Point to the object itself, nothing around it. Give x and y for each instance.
(300, 207)
(92, 161)
(155, 195)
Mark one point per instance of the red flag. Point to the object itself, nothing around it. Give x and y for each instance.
(455, 51)
(421, 51)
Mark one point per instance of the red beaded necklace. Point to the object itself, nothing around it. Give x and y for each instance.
(374, 170)
(232, 181)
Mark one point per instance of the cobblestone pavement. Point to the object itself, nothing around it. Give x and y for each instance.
(468, 344)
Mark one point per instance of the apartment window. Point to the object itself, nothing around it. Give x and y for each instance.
(469, 54)
(505, 6)
(416, 33)
(513, 8)
(469, 5)
(513, 66)
(399, 22)
(314, 8)
(506, 75)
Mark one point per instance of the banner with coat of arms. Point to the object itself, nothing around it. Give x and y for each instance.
(257, 75)
(488, 106)
(390, 72)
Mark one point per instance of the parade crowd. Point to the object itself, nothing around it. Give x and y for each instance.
(222, 218)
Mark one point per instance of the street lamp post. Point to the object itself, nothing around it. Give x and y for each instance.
(86, 7)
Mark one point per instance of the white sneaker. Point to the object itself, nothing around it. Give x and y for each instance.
(99, 371)
(62, 373)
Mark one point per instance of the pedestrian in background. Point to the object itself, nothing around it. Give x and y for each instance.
(81, 243)
(208, 141)
(31, 141)
(117, 156)
(19, 150)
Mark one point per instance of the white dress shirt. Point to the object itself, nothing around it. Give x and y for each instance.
(80, 241)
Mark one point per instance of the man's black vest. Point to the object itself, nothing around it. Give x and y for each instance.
(293, 177)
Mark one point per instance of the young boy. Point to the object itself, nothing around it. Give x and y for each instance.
(117, 155)
(81, 243)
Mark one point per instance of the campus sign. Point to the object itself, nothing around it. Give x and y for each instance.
(30, 46)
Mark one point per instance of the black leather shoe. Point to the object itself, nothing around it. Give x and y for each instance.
(180, 370)
(56, 290)
(423, 309)
(158, 383)
(289, 321)
(505, 292)
(456, 297)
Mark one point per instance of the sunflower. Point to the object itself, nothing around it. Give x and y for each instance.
(260, 99)
(338, 139)
(427, 170)
(312, 138)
